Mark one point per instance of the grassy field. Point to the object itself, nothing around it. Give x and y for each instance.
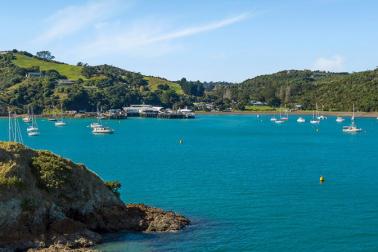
(259, 108)
(70, 71)
(153, 83)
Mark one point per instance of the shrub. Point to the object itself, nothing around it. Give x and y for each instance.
(114, 186)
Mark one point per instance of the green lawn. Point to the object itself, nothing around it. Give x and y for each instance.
(70, 71)
(259, 108)
(153, 83)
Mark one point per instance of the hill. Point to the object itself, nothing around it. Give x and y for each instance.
(88, 87)
(46, 200)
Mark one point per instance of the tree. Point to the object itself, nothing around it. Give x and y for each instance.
(45, 55)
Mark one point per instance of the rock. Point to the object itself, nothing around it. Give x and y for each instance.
(50, 203)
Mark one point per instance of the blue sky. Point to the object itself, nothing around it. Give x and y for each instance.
(201, 40)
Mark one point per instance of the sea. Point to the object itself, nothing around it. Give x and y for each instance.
(246, 183)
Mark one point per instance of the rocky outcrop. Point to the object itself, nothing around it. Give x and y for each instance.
(49, 202)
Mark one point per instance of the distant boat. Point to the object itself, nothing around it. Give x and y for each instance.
(102, 130)
(273, 119)
(27, 119)
(315, 119)
(353, 127)
(301, 120)
(279, 121)
(95, 125)
(339, 119)
(33, 130)
(60, 122)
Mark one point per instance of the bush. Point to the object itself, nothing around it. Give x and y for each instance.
(114, 186)
(52, 172)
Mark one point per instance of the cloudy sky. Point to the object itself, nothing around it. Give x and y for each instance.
(228, 40)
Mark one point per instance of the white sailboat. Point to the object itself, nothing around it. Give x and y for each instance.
(60, 122)
(353, 127)
(27, 118)
(301, 120)
(280, 120)
(33, 130)
(339, 119)
(315, 119)
(14, 131)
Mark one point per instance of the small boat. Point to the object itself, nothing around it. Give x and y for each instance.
(273, 119)
(301, 120)
(352, 128)
(279, 121)
(102, 130)
(26, 119)
(52, 119)
(315, 119)
(95, 125)
(60, 123)
(339, 119)
(321, 117)
(33, 133)
(33, 130)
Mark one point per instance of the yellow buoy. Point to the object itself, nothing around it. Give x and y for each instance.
(321, 179)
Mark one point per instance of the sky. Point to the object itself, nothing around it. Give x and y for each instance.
(207, 40)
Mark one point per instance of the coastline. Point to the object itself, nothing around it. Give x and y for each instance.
(327, 113)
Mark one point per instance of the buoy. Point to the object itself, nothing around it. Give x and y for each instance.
(321, 179)
(181, 141)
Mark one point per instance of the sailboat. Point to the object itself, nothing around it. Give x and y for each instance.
(339, 119)
(33, 130)
(301, 120)
(315, 119)
(60, 122)
(53, 118)
(352, 128)
(14, 131)
(280, 120)
(27, 119)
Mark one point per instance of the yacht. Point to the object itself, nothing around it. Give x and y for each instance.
(102, 130)
(95, 125)
(301, 120)
(60, 122)
(33, 130)
(27, 119)
(353, 127)
(273, 119)
(339, 119)
(279, 121)
(315, 119)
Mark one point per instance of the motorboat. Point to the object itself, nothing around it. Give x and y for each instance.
(301, 120)
(102, 130)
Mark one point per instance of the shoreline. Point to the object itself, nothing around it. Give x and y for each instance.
(327, 113)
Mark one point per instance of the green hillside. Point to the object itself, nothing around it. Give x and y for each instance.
(154, 82)
(70, 71)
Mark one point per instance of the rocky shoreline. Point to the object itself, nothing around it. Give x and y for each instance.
(48, 203)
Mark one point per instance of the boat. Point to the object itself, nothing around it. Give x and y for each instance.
(33, 130)
(188, 113)
(52, 119)
(353, 127)
(102, 130)
(273, 119)
(60, 122)
(27, 119)
(315, 119)
(301, 120)
(95, 125)
(279, 121)
(339, 119)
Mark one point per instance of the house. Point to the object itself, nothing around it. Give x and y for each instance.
(65, 82)
(258, 103)
(34, 74)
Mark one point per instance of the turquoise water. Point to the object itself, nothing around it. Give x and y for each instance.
(246, 183)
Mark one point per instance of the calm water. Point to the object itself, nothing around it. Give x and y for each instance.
(247, 184)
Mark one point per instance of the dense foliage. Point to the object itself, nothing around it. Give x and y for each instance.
(108, 87)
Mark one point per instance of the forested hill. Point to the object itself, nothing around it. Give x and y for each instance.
(44, 84)
(28, 80)
(332, 91)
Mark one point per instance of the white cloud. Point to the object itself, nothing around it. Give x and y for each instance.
(147, 36)
(74, 18)
(333, 64)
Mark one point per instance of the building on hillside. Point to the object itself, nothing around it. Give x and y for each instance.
(65, 82)
(33, 75)
(258, 103)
